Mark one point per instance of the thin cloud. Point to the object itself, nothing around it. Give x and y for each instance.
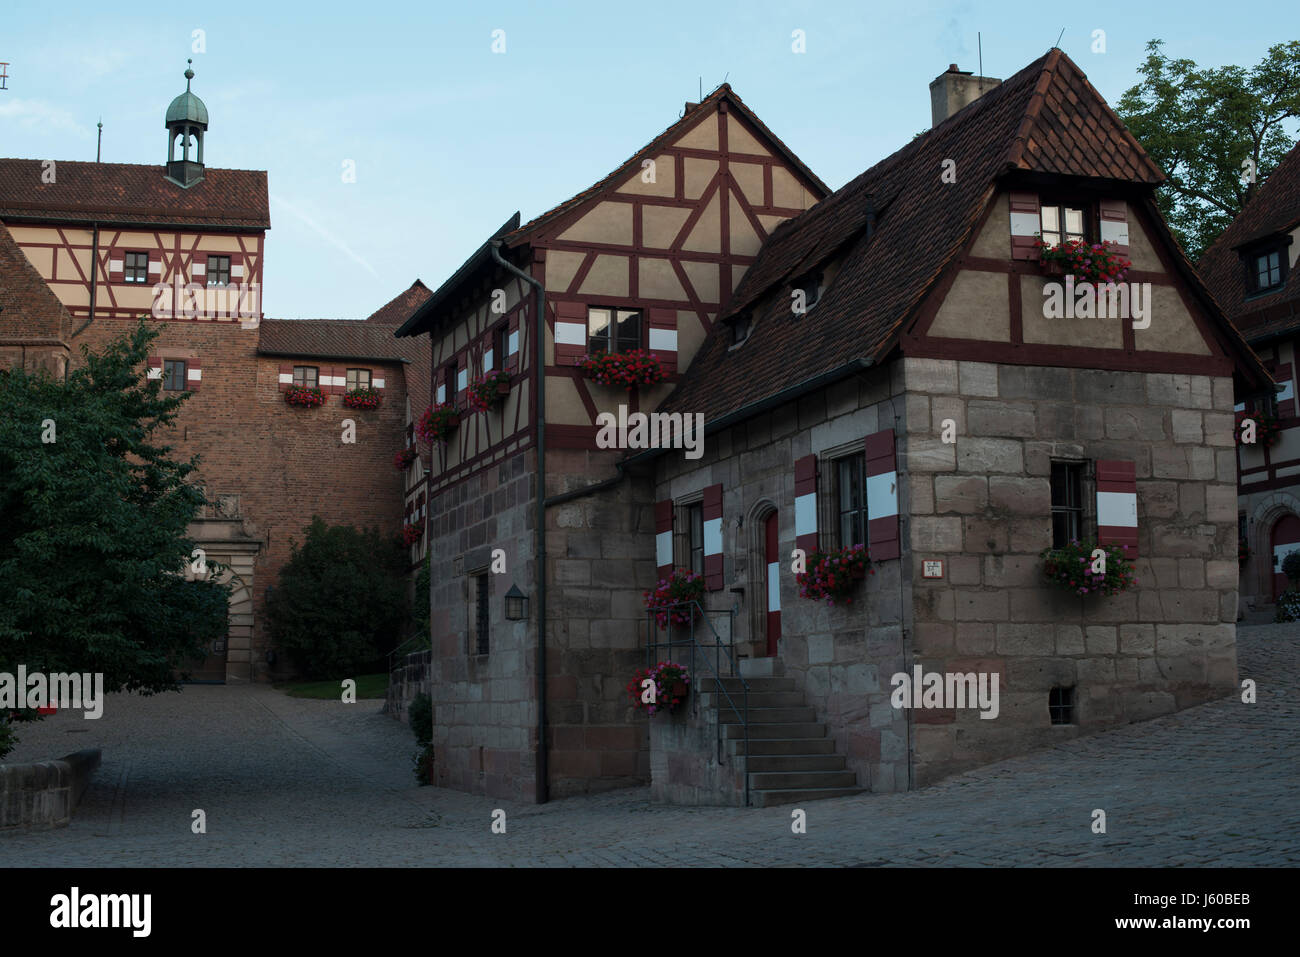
(325, 234)
(41, 115)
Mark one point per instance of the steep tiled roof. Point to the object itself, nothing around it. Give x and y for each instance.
(126, 193)
(333, 339)
(398, 309)
(633, 164)
(1045, 119)
(28, 309)
(1274, 210)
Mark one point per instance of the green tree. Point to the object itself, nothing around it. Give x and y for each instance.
(1202, 125)
(341, 600)
(93, 518)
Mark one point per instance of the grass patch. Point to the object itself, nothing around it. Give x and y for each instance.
(368, 686)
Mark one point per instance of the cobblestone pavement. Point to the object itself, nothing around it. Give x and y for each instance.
(287, 781)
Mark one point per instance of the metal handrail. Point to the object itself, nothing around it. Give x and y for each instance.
(652, 646)
(418, 636)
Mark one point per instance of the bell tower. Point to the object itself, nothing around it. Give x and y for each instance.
(187, 121)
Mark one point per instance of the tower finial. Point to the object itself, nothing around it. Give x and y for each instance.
(189, 75)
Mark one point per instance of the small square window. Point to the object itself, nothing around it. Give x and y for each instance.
(174, 375)
(695, 537)
(358, 379)
(1267, 270)
(1067, 503)
(1060, 705)
(218, 271)
(811, 287)
(851, 500)
(740, 327)
(1062, 222)
(480, 618)
(136, 267)
(305, 376)
(611, 330)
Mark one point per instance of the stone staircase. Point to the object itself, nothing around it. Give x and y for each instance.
(791, 759)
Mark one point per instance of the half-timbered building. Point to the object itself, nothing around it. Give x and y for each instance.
(1251, 271)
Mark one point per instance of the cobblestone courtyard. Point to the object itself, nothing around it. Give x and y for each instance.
(287, 781)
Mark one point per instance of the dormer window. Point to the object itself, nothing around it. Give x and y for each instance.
(1062, 222)
(805, 292)
(1267, 269)
(740, 328)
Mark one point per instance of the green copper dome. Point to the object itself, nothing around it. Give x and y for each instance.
(187, 108)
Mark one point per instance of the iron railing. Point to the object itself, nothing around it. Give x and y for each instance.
(719, 649)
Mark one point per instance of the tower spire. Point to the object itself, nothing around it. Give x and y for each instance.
(189, 74)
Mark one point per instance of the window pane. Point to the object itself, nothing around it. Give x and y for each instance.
(1051, 219)
(598, 322)
(1074, 222)
(629, 330)
(1060, 493)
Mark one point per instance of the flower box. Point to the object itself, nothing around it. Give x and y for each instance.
(671, 686)
(668, 598)
(834, 575)
(489, 391)
(307, 397)
(437, 423)
(1096, 262)
(361, 399)
(412, 534)
(1071, 568)
(403, 459)
(1267, 430)
(625, 369)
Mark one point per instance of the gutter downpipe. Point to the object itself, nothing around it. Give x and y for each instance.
(539, 368)
(94, 283)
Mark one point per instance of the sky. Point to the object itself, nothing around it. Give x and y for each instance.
(448, 138)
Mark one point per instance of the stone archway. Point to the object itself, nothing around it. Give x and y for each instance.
(1267, 512)
(756, 562)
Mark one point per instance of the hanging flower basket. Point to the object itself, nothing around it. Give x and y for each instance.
(403, 459)
(1070, 568)
(1267, 431)
(489, 391)
(412, 534)
(437, 423)
(625, 369)
(361, 399)
(1098, 262)
(671, 685)
(834, 575)
(305, 396)
(668, 598)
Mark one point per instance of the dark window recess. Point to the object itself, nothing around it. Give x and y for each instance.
(1060, 705)
(851, 499)
(811, 287)
(358, 379)
(305, 376)
(1062, 222)
(695, 541)
(499, 345)
(740, 327)
(1241, 526)
(449, 377)
(136, 267)
(1267, 270)
(1067, 503)
(218, 271)
(613, 330)
(481, 618)
(173, 375)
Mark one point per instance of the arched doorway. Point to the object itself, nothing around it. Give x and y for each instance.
(211, 668)
(772, 580)
(1285, 538)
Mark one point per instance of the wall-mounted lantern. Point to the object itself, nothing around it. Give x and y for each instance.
(516, 604)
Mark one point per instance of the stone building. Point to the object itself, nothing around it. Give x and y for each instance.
(880, 368)
(183, 243)
(1250, 270)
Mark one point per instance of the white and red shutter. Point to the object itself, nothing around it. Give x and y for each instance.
(512, 344)
(199, 269)
(662, 337)
(1285, 395)
(155, 265)
(1114, 224)
(489, 352)
(805, 503)
(377, 379)
(664, 538)
(1026, 224)
(570, 333)
(340, 381)
(462, 378)
(440, 387)
(712, 509)
(193, 374)
(882, 496)
(286, 378)
(154, 367)
(1117, 514)
(117, 265)
(236, 268)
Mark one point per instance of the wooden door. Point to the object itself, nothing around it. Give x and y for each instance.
(1285, 539)
(772, 555)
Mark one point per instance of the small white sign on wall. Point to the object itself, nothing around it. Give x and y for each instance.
(932, 568)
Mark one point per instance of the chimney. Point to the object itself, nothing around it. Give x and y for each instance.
(953, 89)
